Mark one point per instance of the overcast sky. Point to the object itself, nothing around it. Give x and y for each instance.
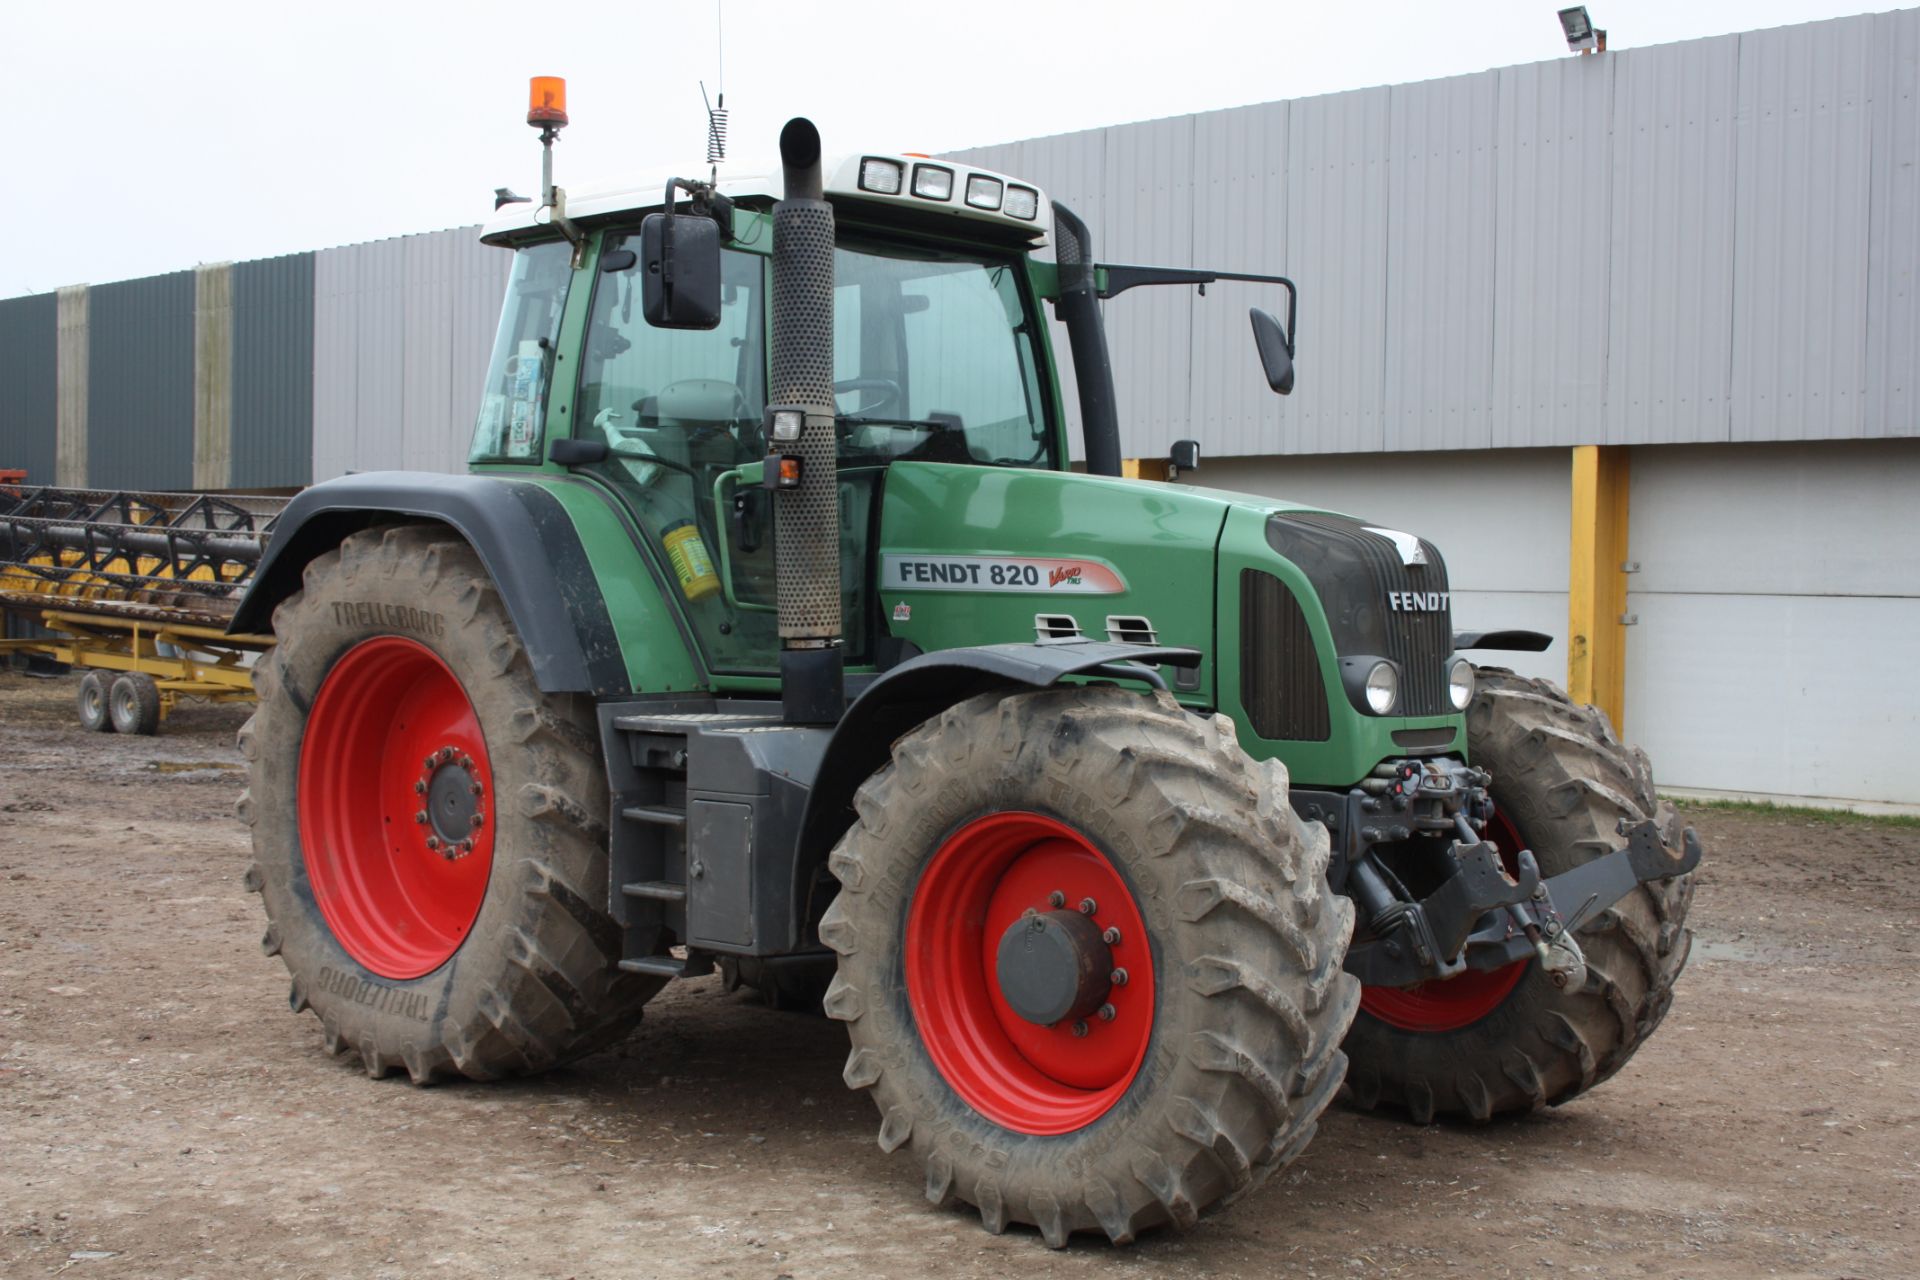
(148, 136)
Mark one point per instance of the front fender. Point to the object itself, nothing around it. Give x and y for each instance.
(921, 688)
(521, 533)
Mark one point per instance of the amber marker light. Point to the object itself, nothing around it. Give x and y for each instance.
(547, 102)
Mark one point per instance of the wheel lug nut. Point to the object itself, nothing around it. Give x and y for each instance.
(433, 842)
(420, 786)
(1080, 1028)
(1118, 977)
(478, 821)
(1056, 899)
(1106, 1013)
(466, 846)
(1088, 906)
(430, 762)
(473, 788)
(420, 816)
(1112, 936)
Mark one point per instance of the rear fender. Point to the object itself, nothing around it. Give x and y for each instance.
(521, 533)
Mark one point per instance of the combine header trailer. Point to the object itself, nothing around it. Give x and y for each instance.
(771, 631)
(139, 588)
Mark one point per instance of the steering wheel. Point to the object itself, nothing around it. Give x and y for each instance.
(886, 389)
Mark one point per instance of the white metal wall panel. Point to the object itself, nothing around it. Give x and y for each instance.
(1506, 557)
(1338, 189)
(1669, 351)
(1774, 602)
(1893, 248)
(1440, 264)
(1800, 250)
(402, 333)
(1240, 224)
(1550, 275)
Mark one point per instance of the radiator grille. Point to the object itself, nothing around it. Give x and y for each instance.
(1354, 571)
(1280, 684)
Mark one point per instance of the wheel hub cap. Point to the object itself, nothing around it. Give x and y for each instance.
(1052, 966)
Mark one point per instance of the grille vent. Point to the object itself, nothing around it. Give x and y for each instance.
(1280, 684)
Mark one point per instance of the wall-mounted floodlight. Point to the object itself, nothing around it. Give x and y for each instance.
(1582, 35)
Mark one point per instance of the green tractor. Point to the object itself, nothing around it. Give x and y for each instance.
(770, 632)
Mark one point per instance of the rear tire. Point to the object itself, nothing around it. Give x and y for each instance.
(90, 703)
(133, 703)
(506, 962)
(1224, 1046)
(1564, 780)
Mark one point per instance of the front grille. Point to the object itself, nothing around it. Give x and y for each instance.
(1353, 571)
(1280, 684)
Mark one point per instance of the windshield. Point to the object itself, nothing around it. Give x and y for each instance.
(933, 359)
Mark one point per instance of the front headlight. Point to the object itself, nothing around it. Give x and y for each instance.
(1382, 688)
(1460, 683)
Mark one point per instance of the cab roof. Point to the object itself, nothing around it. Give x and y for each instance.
(974, 195)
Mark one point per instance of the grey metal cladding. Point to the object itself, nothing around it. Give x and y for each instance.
(1893, 247)
(1670, 326)
(1441, 247)
(140, 383)
(1239, 220)
(28, 390)
(1800, 249)
(273, 372)
(1550, 289)
(1337, 194)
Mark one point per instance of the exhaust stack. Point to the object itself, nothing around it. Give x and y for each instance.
(806, 518)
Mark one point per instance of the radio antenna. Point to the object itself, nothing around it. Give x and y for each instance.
(717, 108)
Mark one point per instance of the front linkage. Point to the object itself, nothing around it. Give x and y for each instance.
(1491, 908)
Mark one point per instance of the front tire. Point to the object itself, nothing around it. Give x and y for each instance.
(429, 828)
(1208, 1066)
(1510, 1041)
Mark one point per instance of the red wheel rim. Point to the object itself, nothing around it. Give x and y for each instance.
(1452, 1003)
(1025, 1077)
(391, 735)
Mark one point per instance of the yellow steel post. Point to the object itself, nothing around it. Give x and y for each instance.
(1597, 581)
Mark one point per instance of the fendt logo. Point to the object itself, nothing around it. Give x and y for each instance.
(1417, 601)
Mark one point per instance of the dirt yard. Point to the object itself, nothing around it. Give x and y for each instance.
(161, 1113)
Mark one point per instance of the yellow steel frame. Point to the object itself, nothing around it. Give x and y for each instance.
(206, 662)
(1597, 580)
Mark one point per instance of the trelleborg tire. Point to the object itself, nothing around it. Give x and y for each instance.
(1213, 1057)
(1512, 1041)
(429, 828)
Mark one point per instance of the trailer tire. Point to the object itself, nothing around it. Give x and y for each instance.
(1223, 1047)
(133, 703)
(489, 959)
(90, 703)
(1564, 779)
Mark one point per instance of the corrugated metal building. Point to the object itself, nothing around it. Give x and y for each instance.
(1692, 265)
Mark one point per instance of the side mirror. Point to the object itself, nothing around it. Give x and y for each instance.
(1276, 350)
(681, 256)
(1184, 456)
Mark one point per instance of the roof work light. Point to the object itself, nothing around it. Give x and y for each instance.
(1582, 35)
(547, 102)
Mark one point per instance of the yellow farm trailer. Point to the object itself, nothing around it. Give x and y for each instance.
(136, 589)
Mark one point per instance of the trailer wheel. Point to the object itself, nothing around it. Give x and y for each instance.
(91, 703)
(1016, 856)
(133, 704)
(429, 828)
(1509, 1041)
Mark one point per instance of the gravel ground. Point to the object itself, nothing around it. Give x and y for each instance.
(161, 1114)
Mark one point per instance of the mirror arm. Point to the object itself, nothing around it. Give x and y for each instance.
(1119, 279)
(707, 202)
